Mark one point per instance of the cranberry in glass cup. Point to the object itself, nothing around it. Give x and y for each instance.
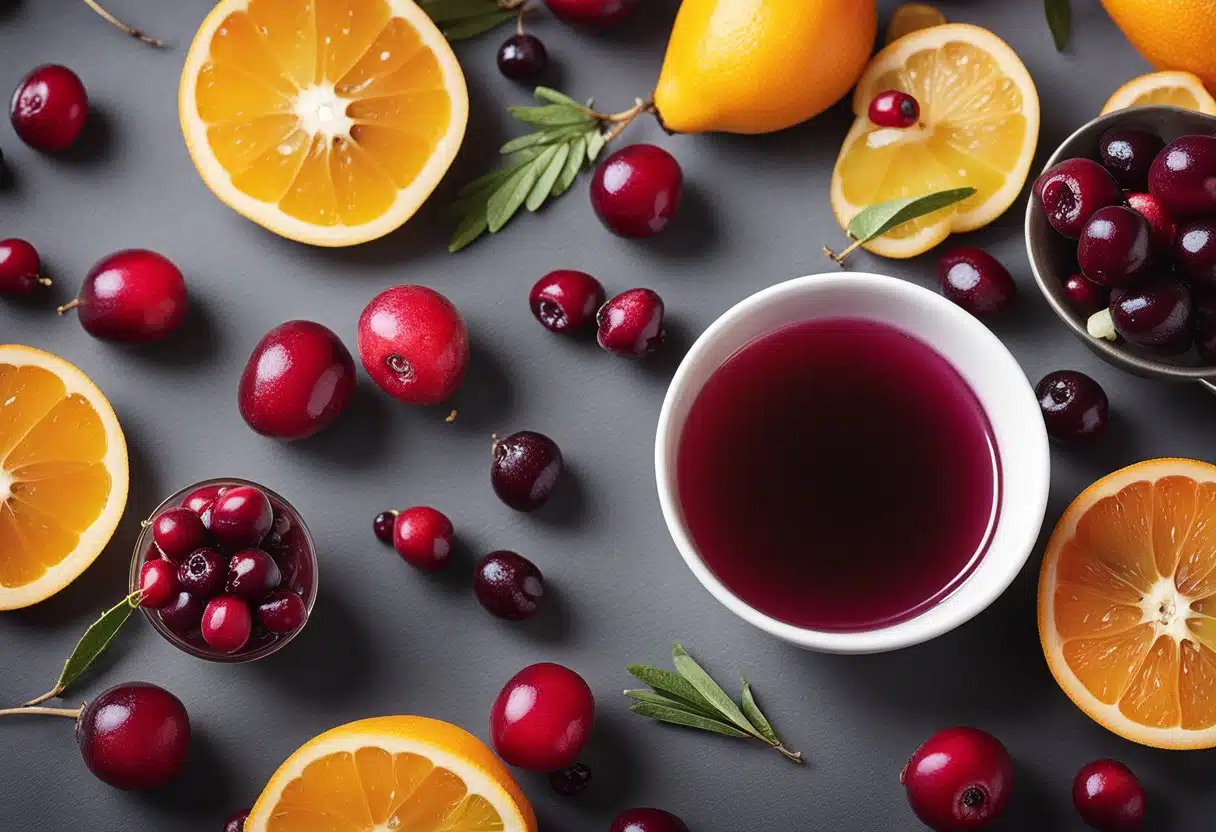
(289, 544)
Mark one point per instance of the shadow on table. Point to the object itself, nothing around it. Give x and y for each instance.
(205, 782)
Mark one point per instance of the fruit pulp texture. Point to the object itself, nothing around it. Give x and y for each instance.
(323, 108)
(53, 481)
(839, 475)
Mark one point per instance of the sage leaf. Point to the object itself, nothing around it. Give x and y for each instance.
(672, 684)
(643, 695)
(544, 183)
(689, 719)
(95, 640)
(551, 115)
(489, 182)
(470, 228)
(696, 676)
(445, 11)
(752, 711)
(555, 97)
(574, 164)
(506, 200)
(1059, 19)
(878, 219)
(595, 143)
(539, 139)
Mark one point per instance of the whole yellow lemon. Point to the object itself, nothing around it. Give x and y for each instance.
(755, 66)
(1171, 34)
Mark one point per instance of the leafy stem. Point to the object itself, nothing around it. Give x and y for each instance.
(27, 710)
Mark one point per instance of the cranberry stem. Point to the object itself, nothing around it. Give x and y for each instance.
(74, 713)
(792, 756)
(623, 119)
(114, 21)
(70, 305)
(839, 258)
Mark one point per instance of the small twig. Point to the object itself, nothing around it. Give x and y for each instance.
(114, 21)
(792, 756)
(74, 713)
(50, 694)
(623, 119)
(839, 258)
(451, 416)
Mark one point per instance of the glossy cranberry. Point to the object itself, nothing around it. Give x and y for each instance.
(1203, 321)
(134, 736)
(423, 537)
(635, 192)
(566, 300)
(1108, 797)
(976, 281)
(236, 823)
(203, 573)
(178, 532)
(1163, 227)
(631, 324)
(959, 780)
(647, 820)
(20, 268)
(894, 108)
(1116, 247)
(1195, 252)
(525, 469)
(522, 57)
(183, 614)
(1183, 176)
(227, 623)
(49, 108)
(571, 780)
(200, 499)
(1074, 406)
(158, 582)
(297, 382)
(542, 718)
(1155, 314)
(1128, 154)
(383, 526)
(241, 518)
(282, 611)
(1072, 191)
(593, 14)
(251, 574)
(133, 297)
(1084, 295)
(414, 344)
(508, 585)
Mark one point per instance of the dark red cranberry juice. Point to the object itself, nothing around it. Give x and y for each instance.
(839, 475)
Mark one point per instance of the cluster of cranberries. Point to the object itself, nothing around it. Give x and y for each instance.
(568, 301)
(1144, 219)
(522, 57)
(212, 574)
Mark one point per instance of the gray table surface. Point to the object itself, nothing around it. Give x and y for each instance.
(385, 639)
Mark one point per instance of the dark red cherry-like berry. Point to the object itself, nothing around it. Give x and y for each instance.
(134, 736)
(1194, 251)
(526, 467)
(1128, 154)
(1162, 224)
(178, 532)
(200, 499)
(508, 585)
(542, 718)
(1183, 176)
(566, 300)
(1074, 406)
(1084, 295)
(647, 820)
(1108, 797)
(383, 525)
(414, 344)
(1072, 191)
(976, 281)
(894, 108)
(1154, 313)
(571, 780)
(236, 823)
(635, 192)
(1203, 321)
(959, 780)
(20, 268)
(251, 574)
(133, 297)
(227, 623)
(1115, 248)
(49, 108)
(282, 611)
(297, 382)
(631, 324)
(423, 537)
(241, 518)
(592, 14)
(158, 582)
(183, 614)
(204, 573)
(522, 57)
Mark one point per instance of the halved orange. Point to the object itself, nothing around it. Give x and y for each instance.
(326, 121)
(1177, 89)
(1127, 603)
(406, 773)
(63, 474)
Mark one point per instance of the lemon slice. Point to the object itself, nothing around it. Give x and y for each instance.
(1178, 89)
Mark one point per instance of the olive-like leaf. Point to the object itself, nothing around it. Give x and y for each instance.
(671, 684)
(95, 640)
(1059, 19)
(544, 183)
(876, 220)
(752, 711)
(704, 684)
(687, 718)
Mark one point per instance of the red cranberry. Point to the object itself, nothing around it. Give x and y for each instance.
(593, 14)
(178, 532)
(525, 469)
(522, 57)
(1203, 320)
(241, 517)
(183, 614)
(1072, 191)
(1128, 155)
(282, 612)
(20, 268)
(542, 718)
(976, 281)
(894, 108)
(203, 573)
(1074, 406)
(383, 526)
(508, 585)
(297, 382)
(236, 823)
(227, 624)
(1195, 252)
(1183, 176)
(1155, 314)
(423, 537)
(631, 324)
(414, 344)
(647, 820)
(158, 582)
(571, 780)
(1163, 227)
(635, 192)
(566, 300)
(1108, 797)
(133, 297)
(201, 499)
(959, 780)
(1116, 246)
(1085, 296)
(134, 736)
(251, 574)
(49, 108)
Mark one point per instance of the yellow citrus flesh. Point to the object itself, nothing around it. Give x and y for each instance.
(912, 17)
(1171, 34)
(63, 475)
(326, 121)
(979, 126)
(1176, 89)
(392, 773)
(1127, 603)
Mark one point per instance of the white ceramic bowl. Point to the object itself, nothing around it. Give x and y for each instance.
(975, 353)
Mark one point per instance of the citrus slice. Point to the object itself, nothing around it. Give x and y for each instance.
(63, 474)
(1127, 603)
(326, 121)
(979, 125)
(1178, 89)
(912, 17)
(407, 773)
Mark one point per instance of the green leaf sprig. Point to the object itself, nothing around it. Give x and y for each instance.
(690, 697)
(876, 220)
(1059, 18)
(460, 19)
(542, 164)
